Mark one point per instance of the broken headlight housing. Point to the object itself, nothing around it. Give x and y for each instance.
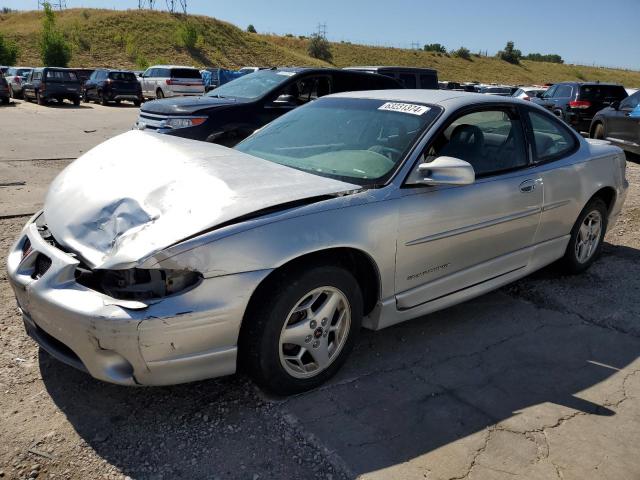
(138, 283)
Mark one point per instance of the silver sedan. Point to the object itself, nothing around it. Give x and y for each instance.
(159, 260)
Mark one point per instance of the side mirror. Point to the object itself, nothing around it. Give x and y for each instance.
(445, 171)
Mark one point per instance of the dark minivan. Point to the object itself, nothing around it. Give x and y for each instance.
(577, 102)
(409, 77)
(49, 83)
(106, 86)
(233, 111)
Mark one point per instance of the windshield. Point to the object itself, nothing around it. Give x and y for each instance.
(355, 140)
(251, 86)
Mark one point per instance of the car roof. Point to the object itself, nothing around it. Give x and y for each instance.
(446, 98)
(589, 83)
(389, 67)
(173, 66)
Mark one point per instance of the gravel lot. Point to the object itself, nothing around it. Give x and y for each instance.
(539, 380)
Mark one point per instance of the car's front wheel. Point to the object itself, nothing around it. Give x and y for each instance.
(301, 328)
(587, 236)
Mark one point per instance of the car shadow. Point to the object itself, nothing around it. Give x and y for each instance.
(405, 391)
(65, 105)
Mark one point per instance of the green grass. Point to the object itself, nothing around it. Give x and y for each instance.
(112, 38)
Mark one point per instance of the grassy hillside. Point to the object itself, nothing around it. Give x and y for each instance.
(132, 38)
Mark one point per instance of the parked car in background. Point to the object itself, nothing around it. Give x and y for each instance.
(444, 85)
(252, 69)
(106, 86)
(499, 90)
(577, 102)
(162, 81)
(52, 83)
(3, 69)
(214, 77)
(358, 209)
(407, 76)
(527, 93)
(16, 76)
(619, 123)
(631, 91)
(4, 90)
(83, 74)
(235, 110)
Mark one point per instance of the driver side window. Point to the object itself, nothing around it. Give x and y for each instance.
(492, 141)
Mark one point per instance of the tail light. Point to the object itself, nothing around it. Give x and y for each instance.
(526, 98)
(170, 81)
(17, 80)
(580, 104)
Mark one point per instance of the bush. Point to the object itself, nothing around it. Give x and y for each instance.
(510, 54)
(8, 51)
(319, 48)
(55, 51)
(187, 35)
(435, 47)
(538, 57)
(141, 62)
(462, 52)
(251, 29)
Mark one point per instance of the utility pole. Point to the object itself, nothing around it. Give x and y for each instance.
(55, 4)
(415, 45)
(322, 30)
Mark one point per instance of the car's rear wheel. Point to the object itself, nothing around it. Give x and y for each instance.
(136, 103)
(598, 131)
(301, 328)
(76, 101)
(587, 236)
(85, 98)
(103, 99)
(159, 94)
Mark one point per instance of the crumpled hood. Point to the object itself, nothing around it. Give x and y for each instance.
(141, 192)
(182, 105)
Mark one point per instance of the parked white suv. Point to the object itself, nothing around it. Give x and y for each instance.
(162, 81)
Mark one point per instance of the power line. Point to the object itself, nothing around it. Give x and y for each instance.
(415, 45)
(55, 4)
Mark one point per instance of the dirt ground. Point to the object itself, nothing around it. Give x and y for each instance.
(539, 380)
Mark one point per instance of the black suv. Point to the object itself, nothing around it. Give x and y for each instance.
(105, 86)
(4, 90)
(577, 102)
(45, 84)
(620, 124)
(233, 111)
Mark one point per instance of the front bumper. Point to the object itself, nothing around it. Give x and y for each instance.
(182, 338)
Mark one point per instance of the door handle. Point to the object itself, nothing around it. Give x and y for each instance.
(528, 186)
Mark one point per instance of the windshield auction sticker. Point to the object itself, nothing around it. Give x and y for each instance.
(405, 108)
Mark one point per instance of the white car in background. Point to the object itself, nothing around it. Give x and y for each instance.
(16, 76)
(162, 81)
(527, 93)
(631, 91)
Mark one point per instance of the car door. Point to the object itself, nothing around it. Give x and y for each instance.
(561, 97)
(453, 237)
(146, 81)
(553, 144)
(90, 85)
(27, 88)
(623, 124)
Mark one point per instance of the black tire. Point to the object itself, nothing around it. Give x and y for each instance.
(26, 98)
(259, 346)
(159, 94)
(598, 131)
(103, 99)
(570, 263)
(76, 101)
(136, 103)
(85, 98)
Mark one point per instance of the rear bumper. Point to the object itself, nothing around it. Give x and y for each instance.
(580, 121)
(183, 338)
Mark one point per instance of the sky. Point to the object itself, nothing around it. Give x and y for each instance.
(587, 32)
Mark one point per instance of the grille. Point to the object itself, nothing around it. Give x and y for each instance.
(151, 120)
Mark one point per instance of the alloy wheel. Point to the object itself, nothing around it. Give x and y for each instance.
(315, 332)
(588, 236)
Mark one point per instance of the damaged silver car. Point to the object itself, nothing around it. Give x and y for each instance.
(159, 260)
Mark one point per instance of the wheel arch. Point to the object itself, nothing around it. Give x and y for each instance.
(359, 263)
(607, 195)
(594, 123)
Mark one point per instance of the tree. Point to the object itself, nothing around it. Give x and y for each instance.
(251, 29)
(510, 54)
(462, 52)
(8, 51)
(319, 48)
(435, 47)
(538, 57)
(55, 51)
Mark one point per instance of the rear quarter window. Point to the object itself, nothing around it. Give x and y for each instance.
(123, 76)
(552, 140)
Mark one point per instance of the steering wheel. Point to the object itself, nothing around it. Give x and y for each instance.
(390, 153)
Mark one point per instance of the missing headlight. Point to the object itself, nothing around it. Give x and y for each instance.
(137, 283)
